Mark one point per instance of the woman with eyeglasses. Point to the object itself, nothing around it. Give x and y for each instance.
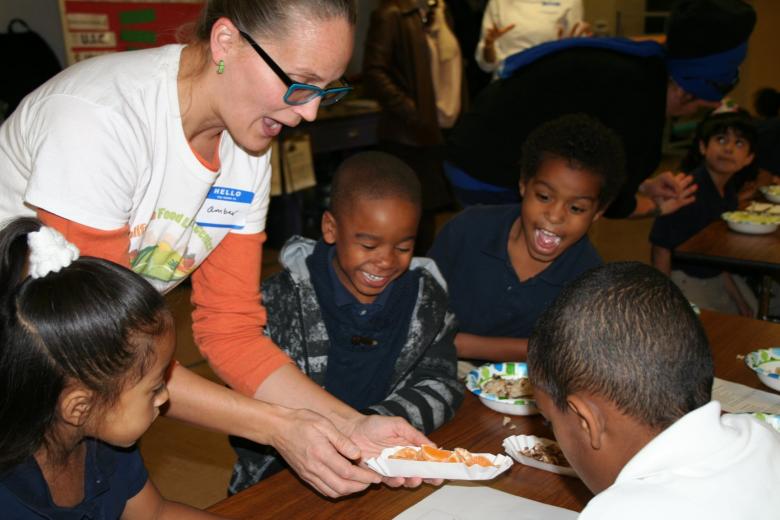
(158, 160)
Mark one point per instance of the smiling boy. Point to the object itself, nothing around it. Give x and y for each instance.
(622, 370)
(357, 313)
(505, 264)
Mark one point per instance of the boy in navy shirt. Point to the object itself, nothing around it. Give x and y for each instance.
(357, 313)
(505, 264)
(724, 146)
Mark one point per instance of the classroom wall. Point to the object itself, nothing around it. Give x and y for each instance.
(760, 68)
(43, 16)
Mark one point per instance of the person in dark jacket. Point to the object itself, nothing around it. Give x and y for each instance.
(631, 87)
(358, 314)
(413, 66)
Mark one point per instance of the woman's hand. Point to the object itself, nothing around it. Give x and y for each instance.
(373, 433)
(320, 454)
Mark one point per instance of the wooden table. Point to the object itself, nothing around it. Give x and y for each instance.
(719, 246)
(481, 430)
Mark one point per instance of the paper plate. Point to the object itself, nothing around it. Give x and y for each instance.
(510, 370)
(766, 363)
(388, 467)
(771, 419)
(751, 223)
(516, 443)
(771, 192)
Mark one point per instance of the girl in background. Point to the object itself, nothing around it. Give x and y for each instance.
(85, 350)
(724, 146)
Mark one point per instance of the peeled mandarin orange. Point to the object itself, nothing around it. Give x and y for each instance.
(405, 453)
(480, 461)
(437, 455)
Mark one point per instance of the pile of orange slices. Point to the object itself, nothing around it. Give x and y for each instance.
(429, 453)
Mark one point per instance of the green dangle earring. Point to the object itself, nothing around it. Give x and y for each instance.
(221, 67)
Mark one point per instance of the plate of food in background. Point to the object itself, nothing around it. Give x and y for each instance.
(751, 223)
(771, 419)
(766, 364)
(771, 192)
(539, 453)
(503, 387)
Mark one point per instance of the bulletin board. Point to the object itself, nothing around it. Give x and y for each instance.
(99, 27)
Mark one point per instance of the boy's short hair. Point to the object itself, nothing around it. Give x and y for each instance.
(585, 144)
(626, 333)
(738, 121)
(373, 175)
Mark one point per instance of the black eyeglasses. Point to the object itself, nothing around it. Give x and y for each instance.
(300, 93)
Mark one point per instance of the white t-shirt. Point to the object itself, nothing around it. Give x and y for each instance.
(102, 144)
(536, 21)
(703, 466)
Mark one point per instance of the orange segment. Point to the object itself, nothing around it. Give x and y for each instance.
(436, 455)
(463, 456)
(480, 461)
(469, 459)
(406, 453)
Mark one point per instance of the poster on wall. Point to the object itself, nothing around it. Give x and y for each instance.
(98, 27)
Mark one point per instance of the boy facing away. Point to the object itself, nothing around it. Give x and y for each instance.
(724, 146)
(622, 370)
(357, 313)
(505, 264)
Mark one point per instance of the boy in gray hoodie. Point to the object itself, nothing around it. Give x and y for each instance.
(358, 314)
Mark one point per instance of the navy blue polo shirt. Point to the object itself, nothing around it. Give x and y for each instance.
(112, 477)
(670, 231)
(485, 293)
(365, 339)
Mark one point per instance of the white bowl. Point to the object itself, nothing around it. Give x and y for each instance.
(765, 363)
(752, 229)
(751, 223)
(771, 192)
(510, 370)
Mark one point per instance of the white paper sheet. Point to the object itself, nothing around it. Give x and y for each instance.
(467, 502)
(736, 398)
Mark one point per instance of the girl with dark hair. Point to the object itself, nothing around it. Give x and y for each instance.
(158, 160)
(85, 350)
(724, 147)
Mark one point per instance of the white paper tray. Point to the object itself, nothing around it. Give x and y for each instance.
(448, 470)
(515, 443)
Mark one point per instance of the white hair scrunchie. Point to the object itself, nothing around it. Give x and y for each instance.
(49, 252)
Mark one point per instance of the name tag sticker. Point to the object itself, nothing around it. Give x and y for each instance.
(225, 208)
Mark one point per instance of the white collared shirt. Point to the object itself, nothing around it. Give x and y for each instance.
(703, 466)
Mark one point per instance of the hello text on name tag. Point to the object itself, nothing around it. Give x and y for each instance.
(225, 208)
